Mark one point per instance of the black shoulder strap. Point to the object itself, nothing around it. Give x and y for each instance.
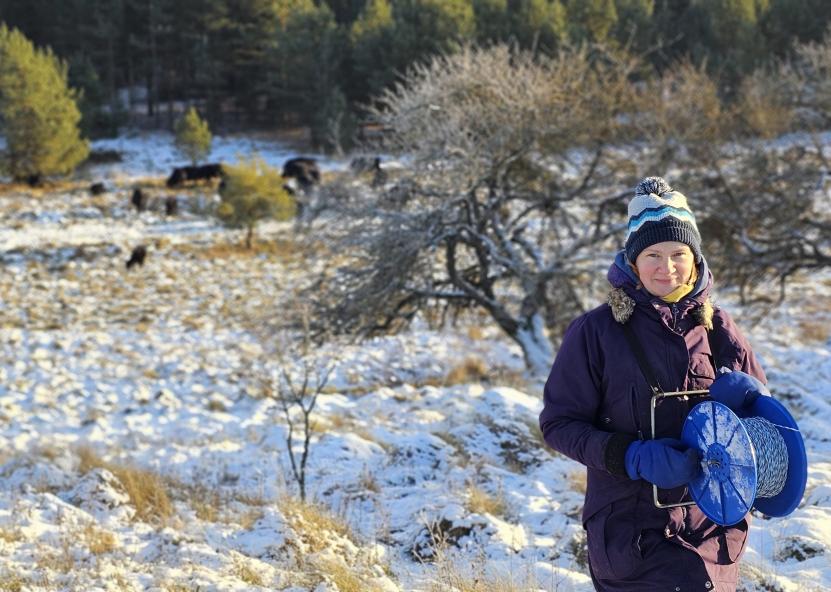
(646, 369)
(710, 339)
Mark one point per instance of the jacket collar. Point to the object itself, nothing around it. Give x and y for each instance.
(627, 292)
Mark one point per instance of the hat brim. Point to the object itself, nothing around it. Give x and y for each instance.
(787, 500)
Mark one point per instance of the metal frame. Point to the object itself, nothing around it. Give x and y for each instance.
(653, 403)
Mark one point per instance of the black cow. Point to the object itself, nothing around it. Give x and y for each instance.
(97, 189)
(139, 200)
(365, 164)
(204, 172)
(304, 170)
(171, 205)
(137, 256)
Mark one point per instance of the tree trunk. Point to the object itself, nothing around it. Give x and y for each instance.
(536, 348)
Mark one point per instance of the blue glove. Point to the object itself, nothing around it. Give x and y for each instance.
(736, 389)
(666, 462)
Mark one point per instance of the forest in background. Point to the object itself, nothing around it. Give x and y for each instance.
(270, 64)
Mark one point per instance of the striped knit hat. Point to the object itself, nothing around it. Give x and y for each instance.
(658, 214)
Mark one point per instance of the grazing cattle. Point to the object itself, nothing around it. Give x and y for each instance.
(97, 189)
(137, 256)
(303, 170)
(171, 205)
(139, 200)
(204, 172)
(365, 164)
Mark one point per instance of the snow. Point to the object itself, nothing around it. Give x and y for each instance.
(154, 154)
(164, 369)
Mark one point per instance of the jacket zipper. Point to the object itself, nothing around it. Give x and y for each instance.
(633, 403)
(674, 308)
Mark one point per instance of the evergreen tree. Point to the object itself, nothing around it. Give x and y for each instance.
(592, 19)
(193, 137)
(253, 191)
(735, 40)
(634, 25)
(306, 62)
(372, 38)
(539, 23)
(492, 20)
(426, 27)
(247, 37)
(346, 11)
(38, 110)
(790, 21)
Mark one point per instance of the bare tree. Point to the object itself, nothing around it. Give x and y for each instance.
(519, 169)
(296, 386)
(516, 182)
(766, 216)
(297, 395)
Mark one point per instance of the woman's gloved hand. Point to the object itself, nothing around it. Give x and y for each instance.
(736, 389)
(666, 462)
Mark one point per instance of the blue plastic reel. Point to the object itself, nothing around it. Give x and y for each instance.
(726, 488)
(725, 491)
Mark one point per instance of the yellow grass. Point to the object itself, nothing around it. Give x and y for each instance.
(146, 489)
(312, 523)
(480, 501)
(98, 541)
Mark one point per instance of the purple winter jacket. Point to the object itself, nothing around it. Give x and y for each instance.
(596, 403)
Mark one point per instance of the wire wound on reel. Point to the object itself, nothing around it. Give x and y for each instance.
(771, 456)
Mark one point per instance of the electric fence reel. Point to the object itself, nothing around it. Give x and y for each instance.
(751, 459)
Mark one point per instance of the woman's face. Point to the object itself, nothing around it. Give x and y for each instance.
(662, 267)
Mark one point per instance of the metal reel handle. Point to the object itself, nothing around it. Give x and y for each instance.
(654, 403)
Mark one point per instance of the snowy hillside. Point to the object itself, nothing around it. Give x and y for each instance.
(141, 446)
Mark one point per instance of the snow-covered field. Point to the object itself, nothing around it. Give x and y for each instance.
(141, 447)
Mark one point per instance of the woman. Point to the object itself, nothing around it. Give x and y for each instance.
(597, 405)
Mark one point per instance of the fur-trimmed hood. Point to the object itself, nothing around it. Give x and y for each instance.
(627, 292)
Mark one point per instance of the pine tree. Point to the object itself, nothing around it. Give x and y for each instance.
(592, 19)
(539, 23)
(426, 27)
(253, 191)
(372, 38)
(492, 23)
(193, 137)
(38, 111)
(306, 63)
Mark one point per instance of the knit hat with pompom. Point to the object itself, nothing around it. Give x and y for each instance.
(658, 214)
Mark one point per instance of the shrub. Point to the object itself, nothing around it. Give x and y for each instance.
(38, 111)
(193, 137)
(253, 191)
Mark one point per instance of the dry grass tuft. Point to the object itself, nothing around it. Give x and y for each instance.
(312, 523)
(146, 489)
(282, 249)
(577, 481)
(245, 571)
(815, 332)
(207, 503)
(479, 501)
(13, 583)
(344, 578)
(11, 535)
(473, 575)
(471, 370)
(98, 541)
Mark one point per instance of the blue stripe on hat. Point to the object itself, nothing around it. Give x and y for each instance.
(659, 213)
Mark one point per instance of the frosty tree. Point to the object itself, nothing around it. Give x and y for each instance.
(510, 195)
(253, 191)
(38, 111)
(193, 137)
(515, 200)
